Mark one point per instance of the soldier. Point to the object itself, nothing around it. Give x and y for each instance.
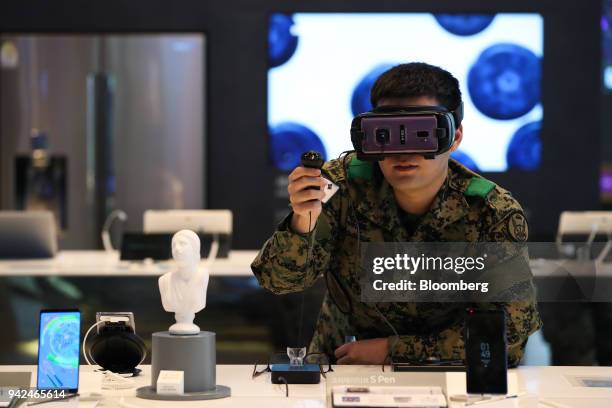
(401, 198)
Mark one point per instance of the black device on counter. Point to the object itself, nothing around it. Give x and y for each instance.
(486, 352)
(429, 365)
(136, 246)
(305, 374)
(116, 346)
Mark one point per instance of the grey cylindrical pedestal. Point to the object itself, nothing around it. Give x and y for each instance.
(195, 355)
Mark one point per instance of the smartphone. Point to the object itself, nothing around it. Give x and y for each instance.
(486, 352)
(59, 342)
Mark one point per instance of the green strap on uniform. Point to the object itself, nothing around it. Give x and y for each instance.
(359, 169)
(479, 187)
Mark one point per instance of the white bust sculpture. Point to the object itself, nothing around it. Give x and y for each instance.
(183, 291)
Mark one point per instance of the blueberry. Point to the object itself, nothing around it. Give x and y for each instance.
(288, 140)
(464, 24)
(360, 100)
(504, 83)
(525, 148)
(281, 42)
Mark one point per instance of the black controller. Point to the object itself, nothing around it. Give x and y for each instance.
(313, 160)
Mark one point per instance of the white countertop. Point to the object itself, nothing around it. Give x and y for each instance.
(100, 263)
(540, 384)
(238, 263)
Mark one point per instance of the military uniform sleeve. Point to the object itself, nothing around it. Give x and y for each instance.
(522, 317)
(291, 262)
(447, 344)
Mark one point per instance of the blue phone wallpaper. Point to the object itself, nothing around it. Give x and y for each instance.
(322, 67)
(58, 350)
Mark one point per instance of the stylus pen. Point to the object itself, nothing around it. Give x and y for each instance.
(53, 399)
(494, 399)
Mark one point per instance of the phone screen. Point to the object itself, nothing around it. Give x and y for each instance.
(59, 350)
(485, 352)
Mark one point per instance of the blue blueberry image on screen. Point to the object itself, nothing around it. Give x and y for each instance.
(525, 148)
(360, 100)
(465, 159)
(281, 43)
(504, 83)
(464, 24)
(288, 141)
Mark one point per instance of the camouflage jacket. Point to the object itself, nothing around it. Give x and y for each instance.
(468, 208)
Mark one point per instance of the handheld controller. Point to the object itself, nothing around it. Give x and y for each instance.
(312, 160)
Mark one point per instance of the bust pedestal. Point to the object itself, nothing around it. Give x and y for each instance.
(195, 355)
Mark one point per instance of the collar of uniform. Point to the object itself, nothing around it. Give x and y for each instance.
(459, 176)
(449, 204)
(373, 198)
(376, 201)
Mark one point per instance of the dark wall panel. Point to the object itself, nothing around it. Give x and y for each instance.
(240, 177)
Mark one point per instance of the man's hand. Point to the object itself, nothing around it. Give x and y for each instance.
(304, 200)
(372, 351)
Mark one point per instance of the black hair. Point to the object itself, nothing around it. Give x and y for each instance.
(417, 79)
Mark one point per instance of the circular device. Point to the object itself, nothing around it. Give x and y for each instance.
(525, 148)
(360, 100)
(117, 348)
(288, 141)
(281, 42)
(464, 24)
(504, 83)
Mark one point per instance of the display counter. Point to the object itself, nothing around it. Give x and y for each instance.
(554, 385)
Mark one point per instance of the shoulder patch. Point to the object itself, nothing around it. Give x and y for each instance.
(517, 227)
(479, 187)
(359, 169)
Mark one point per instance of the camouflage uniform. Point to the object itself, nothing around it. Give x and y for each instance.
(467, 208)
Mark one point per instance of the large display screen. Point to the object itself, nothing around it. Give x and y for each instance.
(323, 65)
(58, 350)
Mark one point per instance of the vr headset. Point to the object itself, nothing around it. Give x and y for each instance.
(389, 130)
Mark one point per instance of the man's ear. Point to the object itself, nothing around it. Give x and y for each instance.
(458, 138)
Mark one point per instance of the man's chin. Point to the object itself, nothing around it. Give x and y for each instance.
(406, 177)
(406, 183)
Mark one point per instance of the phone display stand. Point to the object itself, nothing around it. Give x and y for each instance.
(195, 355)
